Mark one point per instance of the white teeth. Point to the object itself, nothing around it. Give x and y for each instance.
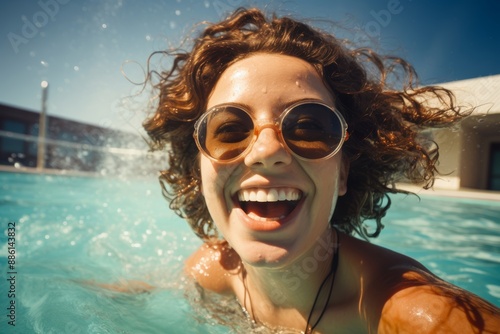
(272, 196)
(252, 196)
(269, 195)
(261, 196)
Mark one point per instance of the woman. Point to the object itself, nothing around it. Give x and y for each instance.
(282, 141)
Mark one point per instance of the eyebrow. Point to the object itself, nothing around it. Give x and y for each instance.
(282, 106)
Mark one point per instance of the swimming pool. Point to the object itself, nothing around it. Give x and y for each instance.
(69, 229)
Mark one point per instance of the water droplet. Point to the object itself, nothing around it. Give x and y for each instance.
(264, 90)
(104, 25)
(177, 12)
(76, 68)
(44, 63)
(297, 83)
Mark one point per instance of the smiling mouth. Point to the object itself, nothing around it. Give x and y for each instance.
(270, 203)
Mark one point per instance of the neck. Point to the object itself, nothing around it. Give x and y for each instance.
(296, 285)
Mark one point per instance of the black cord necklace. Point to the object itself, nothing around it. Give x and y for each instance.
(333, 271)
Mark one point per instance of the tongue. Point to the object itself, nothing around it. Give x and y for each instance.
(269, 209)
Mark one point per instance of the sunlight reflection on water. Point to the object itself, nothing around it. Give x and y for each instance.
(71, 229)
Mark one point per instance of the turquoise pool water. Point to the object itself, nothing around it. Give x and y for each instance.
(69, 229)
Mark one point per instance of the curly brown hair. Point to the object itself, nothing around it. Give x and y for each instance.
(387, 141)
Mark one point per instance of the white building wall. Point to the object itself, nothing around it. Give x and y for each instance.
(465, 153)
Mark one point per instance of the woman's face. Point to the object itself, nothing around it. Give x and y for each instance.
(267, 232)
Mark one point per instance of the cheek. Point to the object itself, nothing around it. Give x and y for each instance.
(335, 189)
(327, 177)
(214, 178)
(208, 177)
(330, 183)
(329, 186)
(343, 176)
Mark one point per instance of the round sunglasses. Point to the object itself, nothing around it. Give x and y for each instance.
(310, 129)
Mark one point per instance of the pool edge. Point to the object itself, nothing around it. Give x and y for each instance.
(455, 193)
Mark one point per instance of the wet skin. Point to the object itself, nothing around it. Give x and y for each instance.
(274, 260)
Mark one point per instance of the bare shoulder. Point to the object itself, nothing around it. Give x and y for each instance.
(426, 304)
(375, 258)
(214, 266)
(400, 295)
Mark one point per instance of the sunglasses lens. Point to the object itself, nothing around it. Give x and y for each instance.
(225, 132)
(312, 130)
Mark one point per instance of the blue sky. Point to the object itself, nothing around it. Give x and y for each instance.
(80, 47)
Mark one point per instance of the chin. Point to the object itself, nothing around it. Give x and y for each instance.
(263, 254)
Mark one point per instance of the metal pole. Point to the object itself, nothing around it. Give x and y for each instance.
(42, 128)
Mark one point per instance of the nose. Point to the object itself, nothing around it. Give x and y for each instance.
(268, 150)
